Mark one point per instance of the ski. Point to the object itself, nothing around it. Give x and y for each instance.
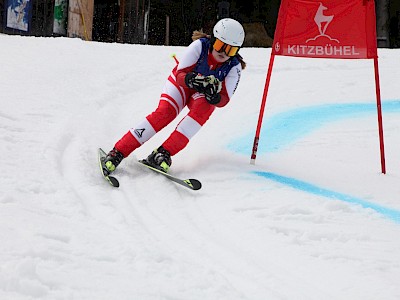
(110, 179)
(193, 184)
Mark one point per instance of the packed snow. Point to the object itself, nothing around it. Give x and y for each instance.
(314, 218)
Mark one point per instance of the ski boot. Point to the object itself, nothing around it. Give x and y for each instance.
(112, 160)
(159, 159)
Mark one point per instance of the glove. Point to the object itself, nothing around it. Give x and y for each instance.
(195, 81)
(207, 85)
(213, 99)
(211, 91)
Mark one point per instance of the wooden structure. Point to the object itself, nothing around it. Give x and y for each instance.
(80, 19)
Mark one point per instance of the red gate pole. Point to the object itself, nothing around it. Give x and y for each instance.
(262, 108)
(379, 109)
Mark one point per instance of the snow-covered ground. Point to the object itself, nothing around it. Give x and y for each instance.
(313, 219)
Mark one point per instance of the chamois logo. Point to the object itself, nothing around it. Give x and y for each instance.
(322, 21)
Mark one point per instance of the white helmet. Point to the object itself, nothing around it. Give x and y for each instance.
(229, 31)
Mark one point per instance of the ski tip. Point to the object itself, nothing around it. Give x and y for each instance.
(194, 184)
(113, 181)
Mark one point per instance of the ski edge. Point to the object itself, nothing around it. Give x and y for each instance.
(190, 183)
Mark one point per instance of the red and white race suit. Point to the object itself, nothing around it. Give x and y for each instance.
(174, 97)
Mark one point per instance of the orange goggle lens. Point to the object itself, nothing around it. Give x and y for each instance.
(229, 50)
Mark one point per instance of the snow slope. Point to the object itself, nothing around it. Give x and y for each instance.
(313, 219)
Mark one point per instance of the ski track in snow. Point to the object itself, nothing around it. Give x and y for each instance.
(68, 235)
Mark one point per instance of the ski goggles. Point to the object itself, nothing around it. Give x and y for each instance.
(229, 50)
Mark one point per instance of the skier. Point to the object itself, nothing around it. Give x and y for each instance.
(205, 78)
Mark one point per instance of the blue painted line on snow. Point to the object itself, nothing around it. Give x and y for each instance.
(283, 129)
(316, 190)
